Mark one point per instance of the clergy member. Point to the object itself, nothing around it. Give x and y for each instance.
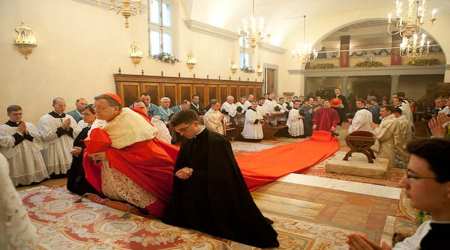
(306, 110)
(427, 184)
(163, 131)
(325, 118)
(214, 119)
(80, 104)
(402, 136)
(209, 192)
(229, 109)
(295, 121)
(196, 106)
(16, 229)
(240, 105)
(76, 180)
(134, 166)
(342, 109)
(58, 131)
(20, 144)
(362, 121)
(253, 123)
(385, 133)
(249, 101)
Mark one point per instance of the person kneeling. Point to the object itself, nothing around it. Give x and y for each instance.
(209, 193)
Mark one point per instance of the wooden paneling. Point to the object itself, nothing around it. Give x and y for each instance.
(200, 90)
(129, 87)
(234, 92)
(212, 92)
(170, 90)
(243, 91)
(258, 91)
(185, 92)
(223, 92)
(130, 92)
(154, 90)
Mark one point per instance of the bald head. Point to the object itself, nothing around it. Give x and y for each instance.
(230, 99)
(59, 105)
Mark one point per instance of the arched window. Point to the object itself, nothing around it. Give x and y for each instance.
(161, 27)
(244, 54)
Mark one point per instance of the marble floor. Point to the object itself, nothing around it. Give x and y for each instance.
(316, 210)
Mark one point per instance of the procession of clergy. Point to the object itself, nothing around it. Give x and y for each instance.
(149, 174)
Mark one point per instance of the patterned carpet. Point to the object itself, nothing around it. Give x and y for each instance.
(306, 217)
(64, 223)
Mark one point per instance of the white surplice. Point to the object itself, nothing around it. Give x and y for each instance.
(16, 229)
(269, 105)
(25, 159)
(163, 131)
(252, 130)
(214, 121)
(56, 151)
(295, 123)
(361, 122)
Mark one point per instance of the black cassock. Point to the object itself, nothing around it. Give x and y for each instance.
(215, 199)
(76, 180)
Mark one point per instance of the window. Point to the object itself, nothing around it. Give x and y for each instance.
(160, 12)
(244, 54)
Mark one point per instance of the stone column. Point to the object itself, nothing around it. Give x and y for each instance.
(396, 58)
(394, 84)
(344, 58)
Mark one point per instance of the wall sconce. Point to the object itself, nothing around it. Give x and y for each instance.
(136, 54)
(25, 40)
(259, 70)
(234, 67)
(191, 61)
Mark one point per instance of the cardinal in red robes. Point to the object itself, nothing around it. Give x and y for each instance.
(125, 161)
(325, 118)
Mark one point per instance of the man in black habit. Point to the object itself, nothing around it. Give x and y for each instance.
(209, 192)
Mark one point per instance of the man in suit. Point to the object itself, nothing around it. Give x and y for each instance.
(195, 105)
(80, 104)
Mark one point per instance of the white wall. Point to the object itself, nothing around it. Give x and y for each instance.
(81, 46)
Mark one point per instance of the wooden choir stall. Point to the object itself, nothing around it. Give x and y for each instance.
(130, 88)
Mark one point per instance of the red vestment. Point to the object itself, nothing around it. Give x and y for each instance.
(147, 163)
(325, 119)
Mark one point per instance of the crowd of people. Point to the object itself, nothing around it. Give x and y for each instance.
(127, 154)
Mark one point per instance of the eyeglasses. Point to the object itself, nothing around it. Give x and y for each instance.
(411, 176)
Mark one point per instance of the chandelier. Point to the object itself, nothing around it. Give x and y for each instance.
(126, 8)
(407, 23)
(252, 29)
(304, 52)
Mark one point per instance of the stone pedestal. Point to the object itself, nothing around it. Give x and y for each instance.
(357, 165)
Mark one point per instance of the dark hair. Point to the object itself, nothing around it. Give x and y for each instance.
(397, 110)
(388, 108)
(145, 94)
(90, 107)
(109, 99)
(401, 94)
(194, 95)
(436, 152)
(184, 116)
(361, 100)
(13, 108)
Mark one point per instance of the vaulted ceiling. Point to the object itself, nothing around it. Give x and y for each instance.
(284, 17)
